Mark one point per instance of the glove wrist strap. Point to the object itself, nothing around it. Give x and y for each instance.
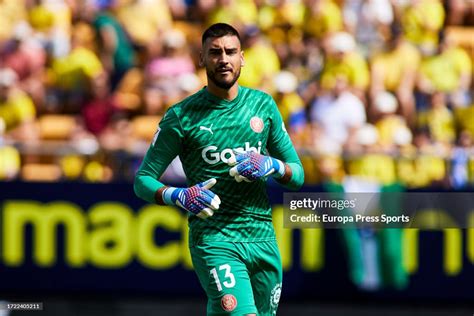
(280, 169)
(168, 196)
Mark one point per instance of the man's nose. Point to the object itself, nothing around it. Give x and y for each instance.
(223, 58)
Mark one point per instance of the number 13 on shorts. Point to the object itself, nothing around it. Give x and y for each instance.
(228, 280)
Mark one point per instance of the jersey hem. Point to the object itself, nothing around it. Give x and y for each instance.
(235, 312)
(253, 240)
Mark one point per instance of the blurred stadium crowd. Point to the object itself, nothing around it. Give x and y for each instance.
(380, 89)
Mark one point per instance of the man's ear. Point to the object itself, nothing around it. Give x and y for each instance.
(201, 59)
(242, 59)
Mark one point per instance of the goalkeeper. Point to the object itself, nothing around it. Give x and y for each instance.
(229, 140)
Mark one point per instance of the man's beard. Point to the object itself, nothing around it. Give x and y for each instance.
(221, 83)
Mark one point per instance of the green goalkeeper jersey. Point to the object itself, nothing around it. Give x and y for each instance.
(203, 130)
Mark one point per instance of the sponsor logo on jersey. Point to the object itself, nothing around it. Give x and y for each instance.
(256, 124)
(275, 297)
(228, 302)
(204, 128)
(211, 155)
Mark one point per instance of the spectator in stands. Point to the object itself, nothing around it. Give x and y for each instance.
(261, 60)
(338, 114)
(202, 8)
(394, 70)
(98, 111)
(116, 54)
(448, 71)
(389, 123)
(16, 107)
(25, 54)
(174, 61)
(457, 10)
(465, 119)
(52, 20)
(280, 16)
(141, 21)
(403, 139)
(439, 120)
(368, 164)
(369, 22)
(343, 60)
(429, 166)
(153, 100)
(129, 93)
(282, 24)
(9, 157)
(189, 84)
(461, 157)
(70, 76)
(116, 136)
(238, 13)
(291, 106)
(421, 21)
(11, 13)
(322, 17)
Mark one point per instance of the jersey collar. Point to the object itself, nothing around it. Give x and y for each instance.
(218, 102)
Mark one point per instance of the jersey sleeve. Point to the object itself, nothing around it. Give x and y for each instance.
(280, 147)
(166, 145)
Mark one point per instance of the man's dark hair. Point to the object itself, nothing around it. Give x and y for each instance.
(219, 30)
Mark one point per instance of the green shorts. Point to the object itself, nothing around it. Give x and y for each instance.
(239, 277)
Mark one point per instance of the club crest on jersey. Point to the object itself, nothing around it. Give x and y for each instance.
(228, 302)
(256, 124)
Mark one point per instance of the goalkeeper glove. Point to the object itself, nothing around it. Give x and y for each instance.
(197, 199)
(250, 166)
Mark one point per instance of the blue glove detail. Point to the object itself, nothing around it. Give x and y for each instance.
(250, 166)
(197, 199)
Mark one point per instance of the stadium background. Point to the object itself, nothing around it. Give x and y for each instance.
(83, 85)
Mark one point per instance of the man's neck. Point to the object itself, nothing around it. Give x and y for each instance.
(226, 94)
